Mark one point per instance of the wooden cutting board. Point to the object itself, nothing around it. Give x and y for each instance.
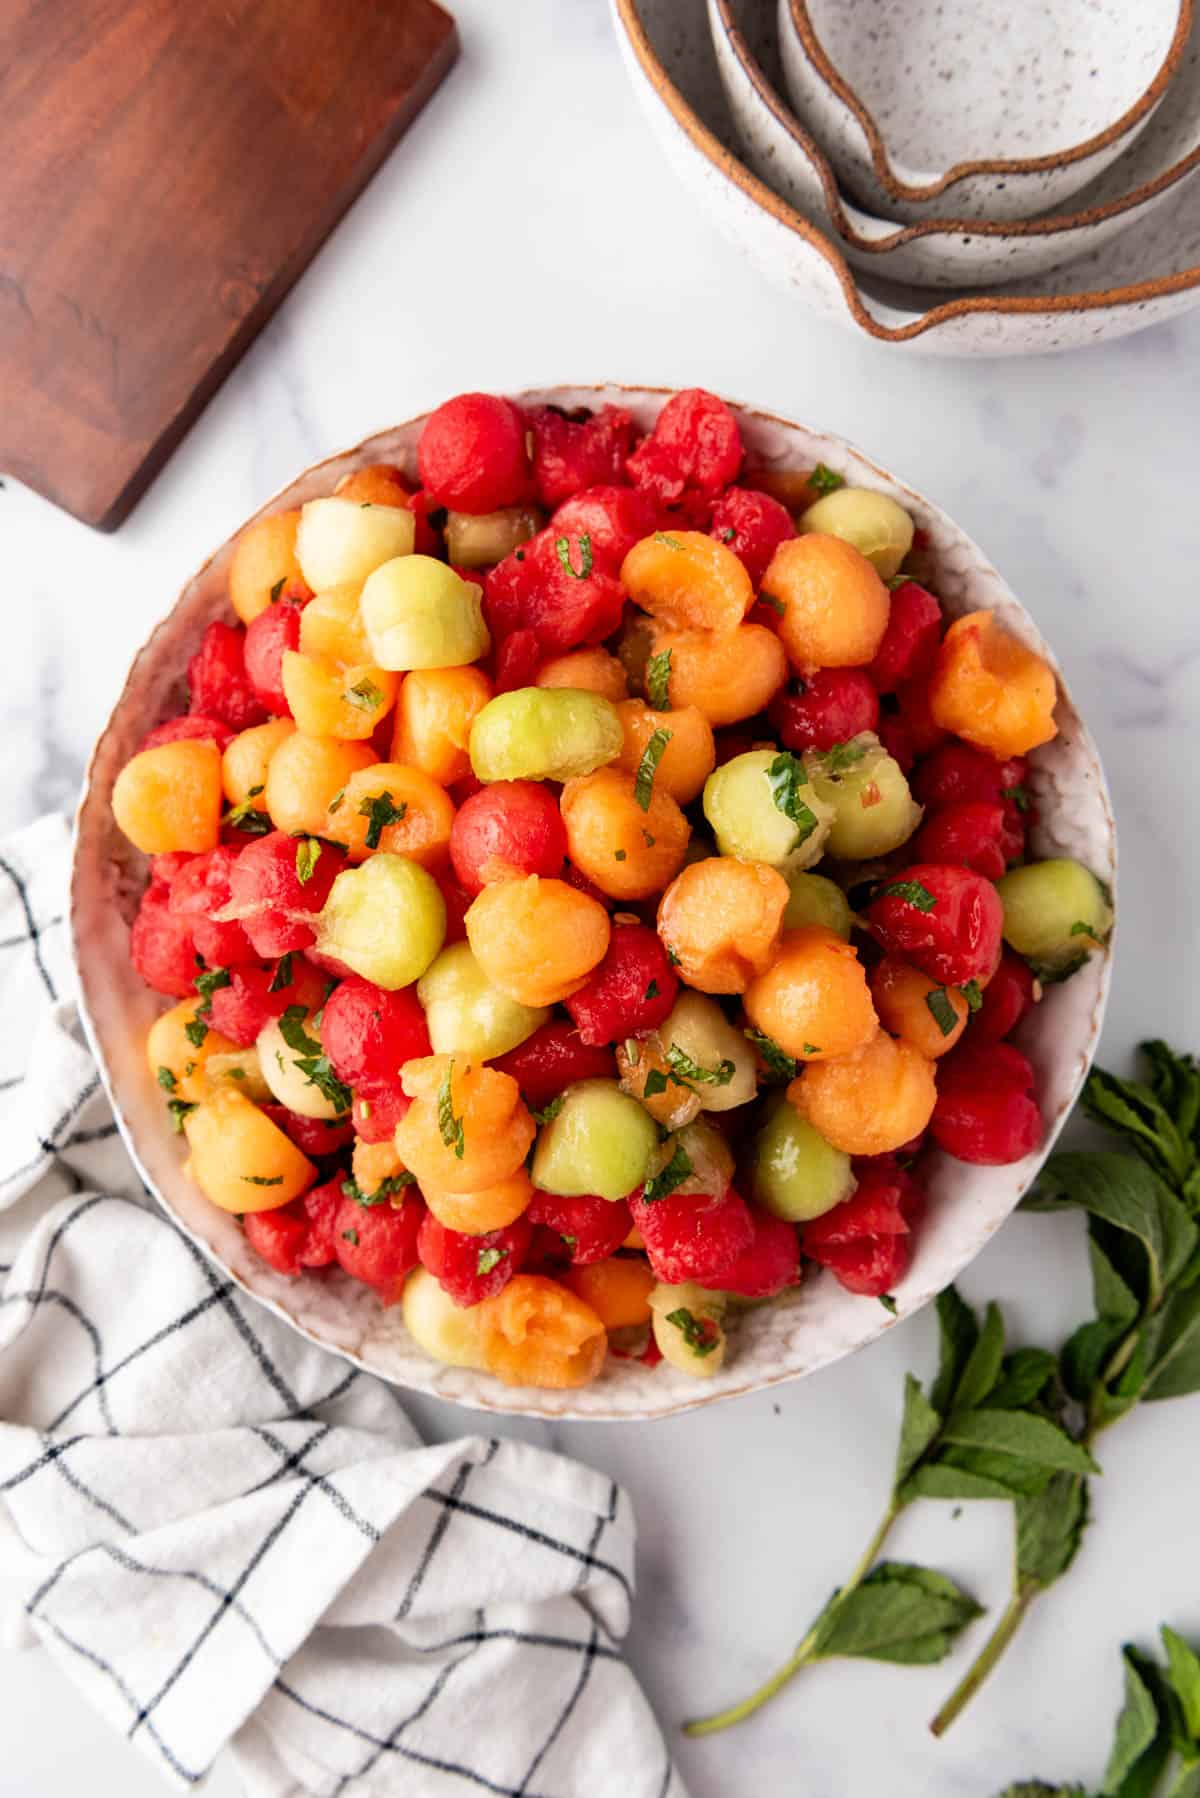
(167, 169)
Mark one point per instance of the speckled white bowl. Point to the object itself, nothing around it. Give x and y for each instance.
(944, 252)
(1149, 275)
(977, 110)
(781, 1341)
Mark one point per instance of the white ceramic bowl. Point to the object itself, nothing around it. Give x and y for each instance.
(944, 252)
(976, 110)
(1149, 275)
(781, 1341)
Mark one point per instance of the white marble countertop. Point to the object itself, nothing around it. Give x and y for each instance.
(527, 230)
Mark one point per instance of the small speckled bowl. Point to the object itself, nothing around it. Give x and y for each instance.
(1149, 275)
(976, 110)
(796, 1335)
(944, 252)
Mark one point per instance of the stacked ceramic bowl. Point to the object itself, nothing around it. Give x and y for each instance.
(961, 176)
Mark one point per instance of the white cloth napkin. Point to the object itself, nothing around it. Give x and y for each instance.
(225, 1535)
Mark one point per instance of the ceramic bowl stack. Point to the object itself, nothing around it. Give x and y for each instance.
(957, 176)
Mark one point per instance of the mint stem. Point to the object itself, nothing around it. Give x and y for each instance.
(1024, 1591)
(805, 1650)
(1010, 1622)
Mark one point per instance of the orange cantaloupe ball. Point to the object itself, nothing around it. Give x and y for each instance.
(871, 1102)
(813, 999)
(264, 563)
(688, 581)
(723, 919)
(835, 606)
(169, 797)
(989, 689)
(629, 851)
(239, 1159)
(535, 939)
(435, 710)
(688, 759)
(305, 774)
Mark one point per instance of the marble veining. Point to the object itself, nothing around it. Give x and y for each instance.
(601, 266)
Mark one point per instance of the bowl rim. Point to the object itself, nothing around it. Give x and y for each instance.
(774, 102)
(733, 170)
(901, 189)
(491, 1397)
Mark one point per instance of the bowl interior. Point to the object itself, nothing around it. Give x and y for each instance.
(979, 83)
(809, 1329)
(1167, 151)
(1151, 273)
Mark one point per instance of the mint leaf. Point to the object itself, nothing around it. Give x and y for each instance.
(263, 1180)
(206, 984)
(958, 1332)
(177, 1110)
(308, 854)
(246, 818)
(1137, 1728)
(778, 1065)
(383, 1193)
(822, 480)
(1023, 1377)
(196, 1030)
(291, 1029)
(658, 680)
(311, 1059)
(487, 1259)
(940, 1009)
(899, 1613)
(1022, 1434)
(1132, 1201)
(1016, 1475)
(669, 1177)
(670, 542)
(652, 755)
(550, 1111)
(942, 1479)
(1183, 1673)
(701, 1334)
(1089, 1349)
(691, 1071)
(1173, 1339)
(1159, 1121)
(451, 1127)
(283, 975)
(982, 1367)
(841, 758)
(919, 1428)
(166, 1080)
(365, 695)
(562, 548)
(1050, 1528)
(911, 891)
(381, 809)
(785, 777)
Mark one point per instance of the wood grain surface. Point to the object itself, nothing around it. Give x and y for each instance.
(167, 170)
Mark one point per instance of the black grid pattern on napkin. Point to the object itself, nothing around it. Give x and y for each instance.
(224, 1605)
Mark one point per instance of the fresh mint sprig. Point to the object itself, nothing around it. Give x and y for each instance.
(1021, 1424)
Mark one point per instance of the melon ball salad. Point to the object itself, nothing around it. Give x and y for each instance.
(589, 870)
